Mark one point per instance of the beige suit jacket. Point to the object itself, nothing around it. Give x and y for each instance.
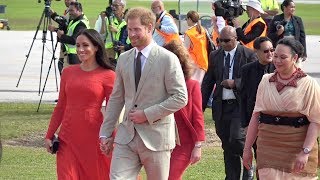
(161, 92)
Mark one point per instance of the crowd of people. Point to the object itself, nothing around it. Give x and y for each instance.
(160, 82)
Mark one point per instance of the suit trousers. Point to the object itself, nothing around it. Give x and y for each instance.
(128, 159)
(232, 136)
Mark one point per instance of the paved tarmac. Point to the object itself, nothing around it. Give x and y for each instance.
(14, 45)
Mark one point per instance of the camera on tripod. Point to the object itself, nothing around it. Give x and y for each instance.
(228, 9)
(47, 4)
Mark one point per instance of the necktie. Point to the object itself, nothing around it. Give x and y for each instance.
(137, 72)
(226, 68)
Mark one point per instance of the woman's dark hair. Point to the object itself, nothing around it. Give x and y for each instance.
(258, 41)
(183, 55)
(194, 16)
(295, 46)
(285, 3)
(101, 55)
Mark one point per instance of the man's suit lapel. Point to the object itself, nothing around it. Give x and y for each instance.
(130, 67)
(220, 59)
(146, 69)
(236, 63)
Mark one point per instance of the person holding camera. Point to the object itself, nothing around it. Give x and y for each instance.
(254, 27)
(288, 25)
(271, 8)
(112, 28)
(77, 23)
(63, 23)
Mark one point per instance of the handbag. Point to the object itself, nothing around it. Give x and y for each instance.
(55, 144)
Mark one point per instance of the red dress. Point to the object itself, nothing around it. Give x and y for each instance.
(78, 113)
(190, 123)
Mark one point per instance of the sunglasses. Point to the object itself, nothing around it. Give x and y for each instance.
(268, 50)
(224, 40)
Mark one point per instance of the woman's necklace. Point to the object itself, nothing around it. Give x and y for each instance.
(292, 75)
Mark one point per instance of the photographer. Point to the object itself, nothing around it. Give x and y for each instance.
(288, 25)
(113, 28)
(63, 24)
(254, 27)
(77, 24)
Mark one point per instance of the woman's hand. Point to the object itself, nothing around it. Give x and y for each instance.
(195, 155)
(280, 29)
(300, 162)
(48, 145)
(247, 158)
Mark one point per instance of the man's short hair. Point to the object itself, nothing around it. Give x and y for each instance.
(77, 5)
(258, 41)
(123, 2)
(145, 15)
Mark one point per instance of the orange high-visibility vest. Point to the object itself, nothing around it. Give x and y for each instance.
(198, 47)
(248, 29)
(168, 37)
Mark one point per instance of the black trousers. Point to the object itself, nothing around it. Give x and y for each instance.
(232, 136)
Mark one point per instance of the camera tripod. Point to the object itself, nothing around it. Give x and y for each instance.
(44, 20)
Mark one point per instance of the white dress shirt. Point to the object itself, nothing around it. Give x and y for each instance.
(228, 93)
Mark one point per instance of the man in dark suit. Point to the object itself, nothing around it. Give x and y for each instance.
(224, 70)
(252, 73)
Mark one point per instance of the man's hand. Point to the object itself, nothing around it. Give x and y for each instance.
(280, 29)
(60, 33)
(113, 29)
(236, 22)
(157, 25)
(228, 83)
(137, 116)
(51, 28)
(103, 14)
(51, 11)
(106, 145)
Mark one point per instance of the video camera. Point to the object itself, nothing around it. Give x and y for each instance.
(62, 22)
(108, 11)
(280, 23)
(47, 4)
(228, 9)
(116, 45)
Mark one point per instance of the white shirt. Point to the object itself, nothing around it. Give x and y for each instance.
(145, 54)
(168, 26)
(228, 93)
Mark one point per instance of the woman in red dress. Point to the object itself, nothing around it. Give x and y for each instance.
(190, 121)
(83, 88)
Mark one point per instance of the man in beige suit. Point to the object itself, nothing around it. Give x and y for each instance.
(147, 133)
